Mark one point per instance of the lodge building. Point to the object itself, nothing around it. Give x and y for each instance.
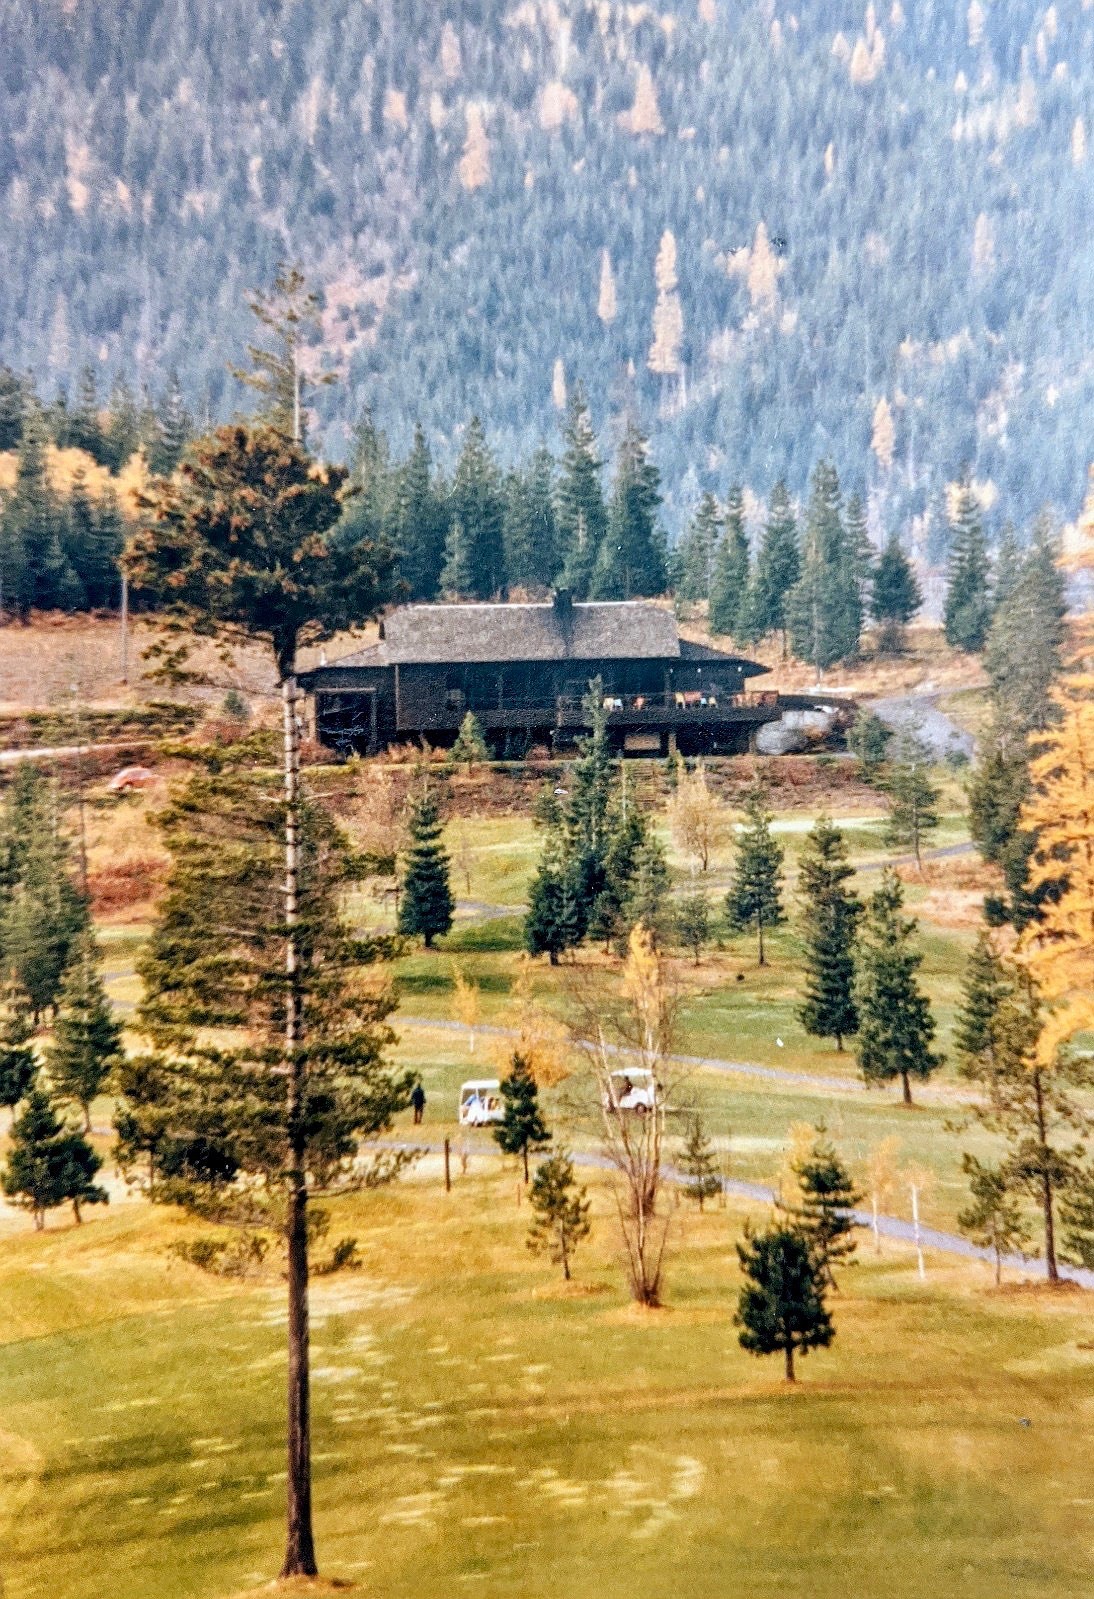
(525, 670)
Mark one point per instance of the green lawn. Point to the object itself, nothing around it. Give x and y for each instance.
(476, 1425)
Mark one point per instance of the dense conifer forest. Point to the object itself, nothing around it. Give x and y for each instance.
(774, 236)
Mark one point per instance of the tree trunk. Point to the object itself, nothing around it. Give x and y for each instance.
(789, 1352)
(839, 1043)
(299, 1543)
(907, 1088)
(760, 929)
(524, 1152)
(1051, 1268)
(76, 1212)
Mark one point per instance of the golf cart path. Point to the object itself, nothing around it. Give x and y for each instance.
(926, 1094)
(932, 1238)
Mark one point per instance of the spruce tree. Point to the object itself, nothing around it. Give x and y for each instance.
(823, 1208)
(729, 584)
(478, 507)
(753, 900)
(824, 609)
(48, 1164)
(994, 1219)
(693, 927)
(87, 1040)
(985, 991)
(523, 1127)
(778, 566)
(420, 524)
(781, 1305)
(829, 924)
(896, 596)
(561, 1211)
(581, 515)
(12, 408)
(18, 1062)
(896, 1028)
(1022, 655)
(696, 552)
(860, 550)
(1007, 566)
(470, 746)
(174, 429)
(43, 914)
(868, 739)
(426, 906)
(967, 612)
(699, 1164)
(631, 558)
(457, 576)
(913, 796)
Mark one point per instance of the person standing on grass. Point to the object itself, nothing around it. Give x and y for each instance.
(417, 1100)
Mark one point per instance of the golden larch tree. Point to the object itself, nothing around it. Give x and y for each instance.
(475, 161)
(883, 438)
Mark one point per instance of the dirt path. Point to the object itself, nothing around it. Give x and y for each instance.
(920, 710)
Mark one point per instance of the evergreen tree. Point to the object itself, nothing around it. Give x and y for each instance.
(477, 506)
(531, 560)
(12, 407)
(561, 1211)
(729, 584)
(781, 1305)
(1022, 655)
(829, 924)
(860, 550)
(693, 926)
(631, 558)
(980, 1016)
(420, 524)
(753, 900)
(289, 314)
(822, 1211)
(48, 1164)
(84, 431)
(913, 797)
(457, 577)
(868, 740)
(240, 544)
(43, 915)
(87, 1040)
(1007, 568)
(470, 746)
(967, 613)
(174, 430)
(994, 1219)
(778, 566)
(123, 434)
(18, 1062)
(696, 552)
(523, 1127)
(699, 1164)
(824, 609)
(896, 596)
(552, 923)
(896, 1027)
(426, 906)
(582, 519)
(30, 525)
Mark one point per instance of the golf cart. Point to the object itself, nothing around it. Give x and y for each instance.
(631, 1090)
(481, 1103)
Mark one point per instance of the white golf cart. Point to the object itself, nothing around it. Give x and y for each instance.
(481, 1103)
(631, 1090)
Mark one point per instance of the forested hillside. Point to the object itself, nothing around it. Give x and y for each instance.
(777, 235)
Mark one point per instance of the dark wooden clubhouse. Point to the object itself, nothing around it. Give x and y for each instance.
(524, 671)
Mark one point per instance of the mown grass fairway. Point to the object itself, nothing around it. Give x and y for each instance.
(478, 1425)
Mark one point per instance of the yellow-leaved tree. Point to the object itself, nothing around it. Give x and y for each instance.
(1058, 951)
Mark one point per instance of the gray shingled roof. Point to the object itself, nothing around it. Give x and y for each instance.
(620, 630)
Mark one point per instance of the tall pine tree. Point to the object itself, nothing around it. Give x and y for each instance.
(631, 558)
(582, 518)
(754, 900)
(896, 1028)
(778, 566)
(824, 609)
(967, 612)
(729, 584)
(896, 596)
(426, 906)
(830, 918)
